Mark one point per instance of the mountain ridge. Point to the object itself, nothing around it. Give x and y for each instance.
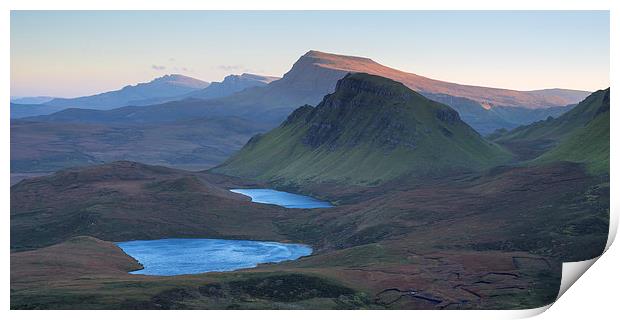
(492, 96)
(315, 74)
(370, 130)
(579, 135)
(231, 84)
(31, 100)
(164, 86)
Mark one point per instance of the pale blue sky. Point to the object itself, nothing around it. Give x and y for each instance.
(72, 53)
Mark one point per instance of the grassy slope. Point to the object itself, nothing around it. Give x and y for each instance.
(97, 272)
(467, 241)
(581, 135)
(127, 201)
(376, 136)
(501, 236)
(74, 257)
(588, 144)
(563, 125)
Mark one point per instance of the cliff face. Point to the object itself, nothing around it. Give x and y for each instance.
(316, 74)
(320, 71)
(327, 124)
(385, 127)
(370, 130)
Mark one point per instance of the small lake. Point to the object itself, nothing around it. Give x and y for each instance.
(283, 199)
(169, 257)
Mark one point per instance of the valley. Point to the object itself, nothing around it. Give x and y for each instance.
(504, 235)
(202, 158)
(427, 213)
(369, 131)
(195, 144)
(183, 122)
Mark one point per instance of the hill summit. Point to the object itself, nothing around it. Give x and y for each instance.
(231, 84)
(320, 71)
(370, 130)
(165, 86)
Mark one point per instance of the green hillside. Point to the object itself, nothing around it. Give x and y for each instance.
(370, 130)
(581, 135)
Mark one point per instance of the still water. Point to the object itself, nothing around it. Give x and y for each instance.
(168, 257)
(283, 199)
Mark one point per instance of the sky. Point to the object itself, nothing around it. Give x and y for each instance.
(76, 53)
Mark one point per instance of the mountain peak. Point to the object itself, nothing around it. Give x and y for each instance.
(250, 77)
(231, 84)
(318, 72)
(170, 85)
(366, 83)
(179, 79)
(172, 76)
(370, 130)
(337, 61)
(321, 63)
(333, 57)
(312, 53)
(266, 79)
(389, 92)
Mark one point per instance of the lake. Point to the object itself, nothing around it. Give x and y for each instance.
(283, 199)
(169, 257)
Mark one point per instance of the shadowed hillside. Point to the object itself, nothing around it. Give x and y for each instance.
(465, 241)
(192, 144)
(260, 102)
(128, 200)
(580, 135)
(316, 73)
(370, 130)
(427, 213)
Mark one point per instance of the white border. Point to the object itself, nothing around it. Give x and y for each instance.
(591, 297)
(311, 5)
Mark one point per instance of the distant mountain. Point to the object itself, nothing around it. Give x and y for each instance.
(166, 86)
(487, 120)
(173, 111)
(31, 100)
(562, 95)
(488, 97)
(315, 74)
(22, 107)
(580, 135)
(232, 84)
(370, 130)
(32, 110)
(195, 144)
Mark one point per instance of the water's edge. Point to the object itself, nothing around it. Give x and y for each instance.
(283, 199)
(183, 256)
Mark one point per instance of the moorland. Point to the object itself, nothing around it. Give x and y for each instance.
(473, 204)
